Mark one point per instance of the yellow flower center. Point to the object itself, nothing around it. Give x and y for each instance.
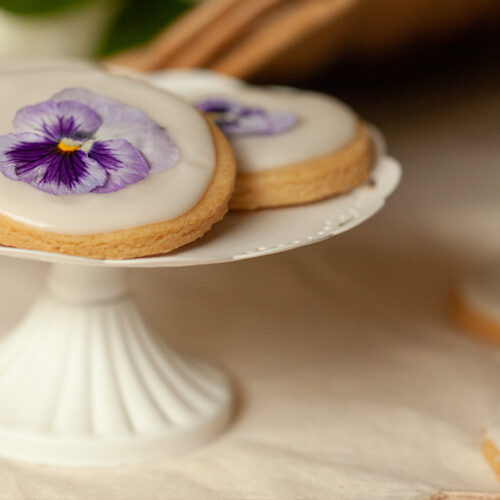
(66, 148)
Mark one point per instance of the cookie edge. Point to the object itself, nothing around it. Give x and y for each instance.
(307, 181)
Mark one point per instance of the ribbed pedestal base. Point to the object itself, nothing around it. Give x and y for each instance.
(85, 382)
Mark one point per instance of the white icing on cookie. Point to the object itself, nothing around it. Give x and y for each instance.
(325, 124)
(161, 196)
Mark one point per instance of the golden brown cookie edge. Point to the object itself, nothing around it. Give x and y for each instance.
(307, 181)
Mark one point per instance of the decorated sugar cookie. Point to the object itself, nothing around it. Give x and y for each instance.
(291, 146)
(102, 166)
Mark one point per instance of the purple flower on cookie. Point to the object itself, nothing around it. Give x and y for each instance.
(237, 120)
(80, 142)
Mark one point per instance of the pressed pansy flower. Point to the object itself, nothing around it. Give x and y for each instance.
(235, 119)
(80, 142)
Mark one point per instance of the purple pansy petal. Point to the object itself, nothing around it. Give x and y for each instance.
(56, 120)
(78, 119)
(75, 173)
(120, 121)
(254, 123)
(123, 163)
(41, 165)
(7, 143)
(219, 105)
(261, 123)
(281, 121)
(237, 120)
(155, 144)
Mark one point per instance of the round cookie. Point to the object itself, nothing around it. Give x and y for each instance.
(291, 146)
(102, 166)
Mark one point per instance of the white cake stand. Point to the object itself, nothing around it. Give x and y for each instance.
(84, 381)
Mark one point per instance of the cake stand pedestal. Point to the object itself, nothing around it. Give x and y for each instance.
(85, 381)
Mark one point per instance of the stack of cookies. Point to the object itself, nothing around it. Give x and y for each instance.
(109, 167)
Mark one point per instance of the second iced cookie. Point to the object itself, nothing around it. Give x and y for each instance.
(291, 146)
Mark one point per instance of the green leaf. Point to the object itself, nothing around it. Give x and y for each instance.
(139, 21)
(36, 7)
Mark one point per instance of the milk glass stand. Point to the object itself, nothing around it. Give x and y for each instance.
(86, 382)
